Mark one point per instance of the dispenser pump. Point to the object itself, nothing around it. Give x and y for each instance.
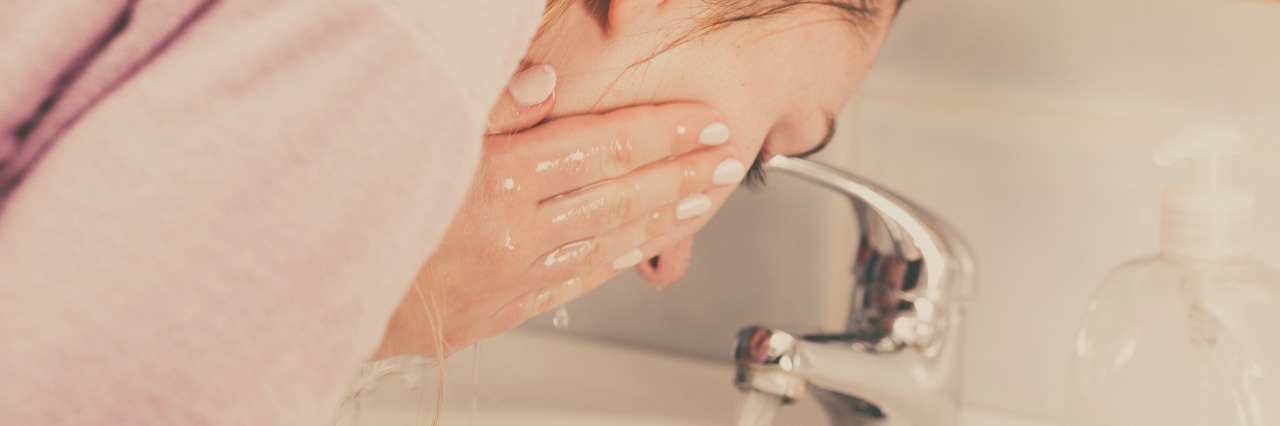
(1205, 217)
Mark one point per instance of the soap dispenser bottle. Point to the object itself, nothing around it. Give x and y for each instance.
(1189, 336)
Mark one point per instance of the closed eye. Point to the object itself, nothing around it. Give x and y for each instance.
(755, 179)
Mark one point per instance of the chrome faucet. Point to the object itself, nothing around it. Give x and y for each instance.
(898, 360)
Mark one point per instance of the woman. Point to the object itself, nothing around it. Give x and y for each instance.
(778, 71)
(212, 207)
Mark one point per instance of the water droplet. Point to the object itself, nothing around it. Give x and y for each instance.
(561, 320)
(568, 252)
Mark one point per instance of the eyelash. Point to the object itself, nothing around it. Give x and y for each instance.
(755, 179)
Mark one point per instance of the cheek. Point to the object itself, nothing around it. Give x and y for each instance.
(749, 126)
(753, 113)
(750, 145)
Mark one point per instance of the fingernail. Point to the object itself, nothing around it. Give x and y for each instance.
(693, 206)
(729, 172)
(533, 86)
(714, 134)
(632, 258)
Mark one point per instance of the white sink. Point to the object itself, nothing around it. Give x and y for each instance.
(536, 378)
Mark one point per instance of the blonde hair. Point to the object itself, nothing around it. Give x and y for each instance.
(555, 9)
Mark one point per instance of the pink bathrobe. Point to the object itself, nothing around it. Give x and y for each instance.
(211, 208)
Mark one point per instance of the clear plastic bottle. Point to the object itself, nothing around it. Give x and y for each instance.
(1189, 336)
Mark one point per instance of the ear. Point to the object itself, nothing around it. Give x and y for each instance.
(633, 16)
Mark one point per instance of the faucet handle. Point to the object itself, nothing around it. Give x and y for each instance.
(770, 351)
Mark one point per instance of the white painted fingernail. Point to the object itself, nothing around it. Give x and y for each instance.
(533, 86)
(729, 172)
(714, 134)
(632, 258)
(693, 206)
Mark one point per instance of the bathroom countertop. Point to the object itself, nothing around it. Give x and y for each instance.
(534, 378)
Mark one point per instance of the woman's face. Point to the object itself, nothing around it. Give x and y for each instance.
(778, 79)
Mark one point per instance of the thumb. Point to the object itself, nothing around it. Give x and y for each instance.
(527, 100)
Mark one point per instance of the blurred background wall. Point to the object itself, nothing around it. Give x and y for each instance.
(1028, 125)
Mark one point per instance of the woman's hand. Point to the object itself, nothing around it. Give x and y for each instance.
(557, 210)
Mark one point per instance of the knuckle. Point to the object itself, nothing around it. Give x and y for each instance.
(593, 222)
(543, 300)
(570, 260)
(690, 181)
(658, 223)
(532, 303)
(564, 272)
(556, 295)
(623, 155)
(624, 206)
(594, 257)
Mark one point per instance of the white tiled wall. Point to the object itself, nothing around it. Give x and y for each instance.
(1028, 125)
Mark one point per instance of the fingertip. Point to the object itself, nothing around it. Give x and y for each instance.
(668, 266)
(539, 109)
(528, 100)
(714, 134)
(533, 86)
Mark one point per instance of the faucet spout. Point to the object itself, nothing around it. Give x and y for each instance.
(897, 361)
